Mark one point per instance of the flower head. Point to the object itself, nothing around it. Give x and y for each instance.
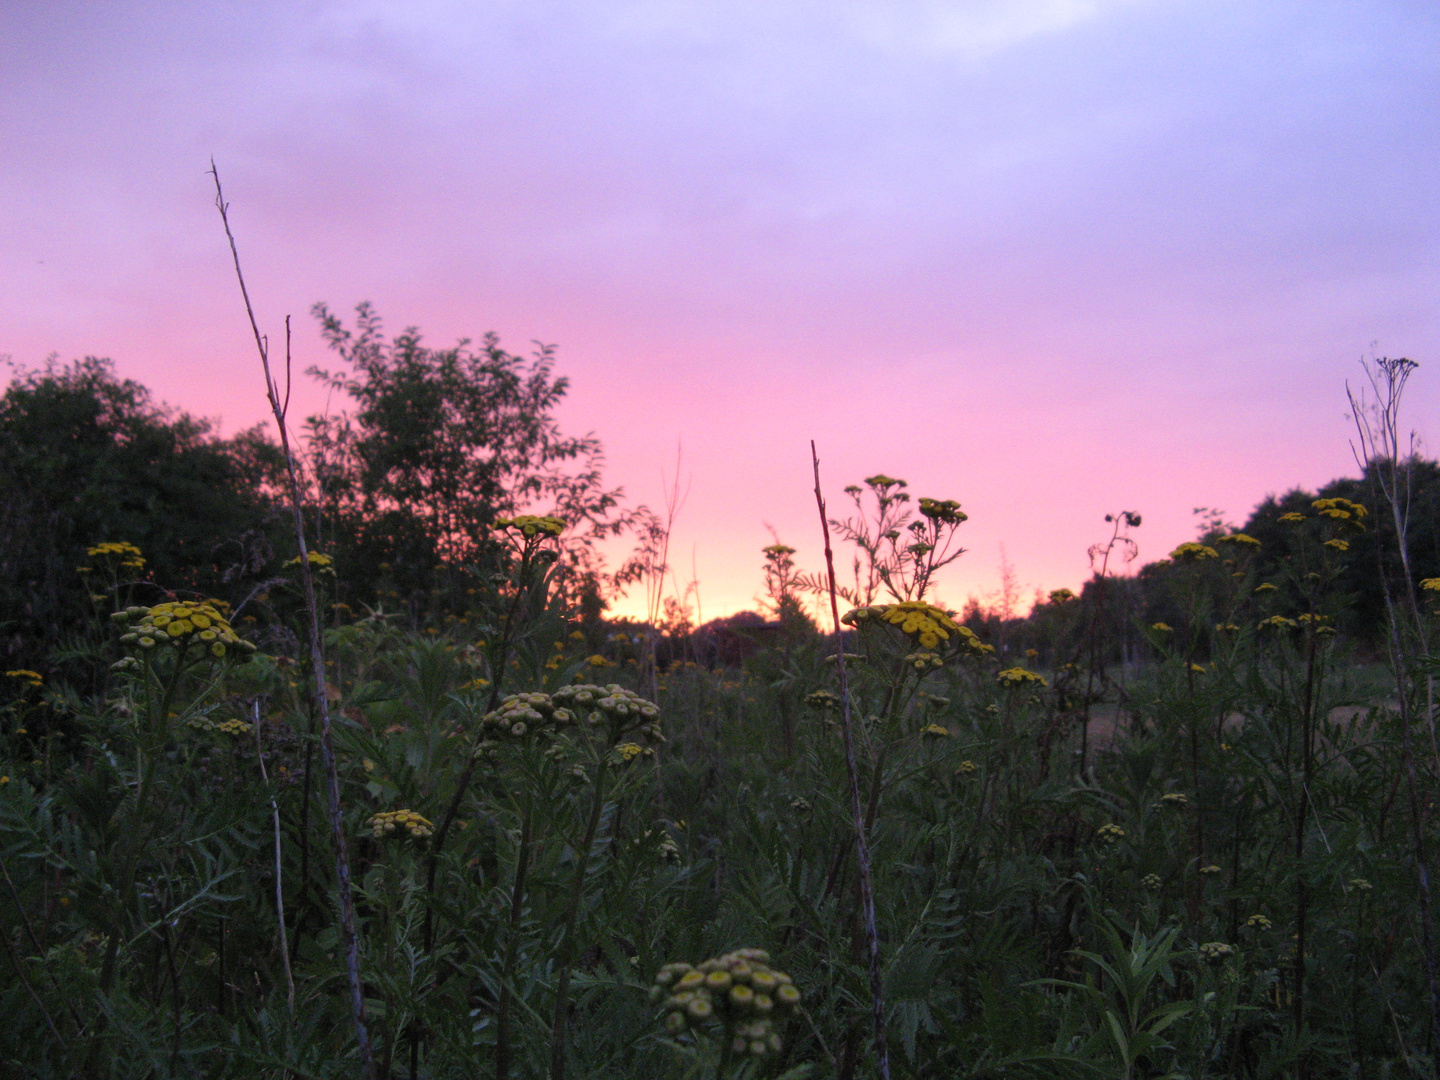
(1111, 833)
(738, 992)
(532, 525)
(388, 823)
(943, 511)
(1216, 951)
(182, 624)
(1018, 676)
(34, 678)
(1193, 552)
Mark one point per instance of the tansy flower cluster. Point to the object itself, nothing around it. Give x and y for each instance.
(32, 677)
(1193, 552)
(926, 623)
(1216, 951)
(225, 727)
(532, 525)
(1061, 596)
(519, 715)
(739, 992)
(1258, 922)
(1241, 539)
(1278, 622)
(943, 511)
(620, 710)
(1110, 834)
(181, 624)
(922, 660)
(316, 559)
(1342, 510)
(825, 699)
(1018, 676)
(128, 554)
(386, 824)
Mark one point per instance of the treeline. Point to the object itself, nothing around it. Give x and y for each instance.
(402, 489)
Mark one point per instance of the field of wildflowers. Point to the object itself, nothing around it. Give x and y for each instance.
(543, 829)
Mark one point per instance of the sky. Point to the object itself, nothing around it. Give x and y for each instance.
(1052, 258)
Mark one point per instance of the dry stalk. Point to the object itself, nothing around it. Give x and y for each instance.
(862, 843)
(317, 657)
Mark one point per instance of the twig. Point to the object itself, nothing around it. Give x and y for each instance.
(862, 844)
(317, 658)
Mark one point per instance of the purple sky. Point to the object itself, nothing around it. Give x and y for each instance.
(1052, 258)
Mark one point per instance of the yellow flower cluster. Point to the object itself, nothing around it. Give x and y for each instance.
(935, 731)
(182, 624)
(225, 727)
(129, 554)
(628, 752)
(966, 768)
(926, 623)
(32, 677)
(1258, 922)
(922, 660)
(823, 699)
(383, 825)
(1266, 587)
(943, 511)
(1018, 676)
(738, 991)
(314, 558)
(1292, 518)
(1216, 951)
(1431, 584)
(620, 710)
(1150, 881)
(1193, 552)
(1243, 539)
(1342, 510)
(1278, 622)
(1177, 799)
(1209, 871)
(1338, 545)
(1061, 596)
(519, 715)
(598, 661)
(1110, 834)
(532, 525)
(1162, 628)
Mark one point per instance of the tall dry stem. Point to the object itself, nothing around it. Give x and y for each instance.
(862, 842)
(1378, 453)
(280, 408)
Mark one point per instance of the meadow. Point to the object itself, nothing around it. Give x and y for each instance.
(322, 759)
(581, 848)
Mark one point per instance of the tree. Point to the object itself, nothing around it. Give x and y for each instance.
(441, 442)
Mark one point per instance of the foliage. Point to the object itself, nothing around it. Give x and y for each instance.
(86, 457)
(440, 443)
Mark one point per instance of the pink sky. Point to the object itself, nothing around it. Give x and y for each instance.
(1052, 258)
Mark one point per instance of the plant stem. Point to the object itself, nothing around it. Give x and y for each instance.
(317, 661)
(862, 844)
(512, 949)
(560, 1028)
